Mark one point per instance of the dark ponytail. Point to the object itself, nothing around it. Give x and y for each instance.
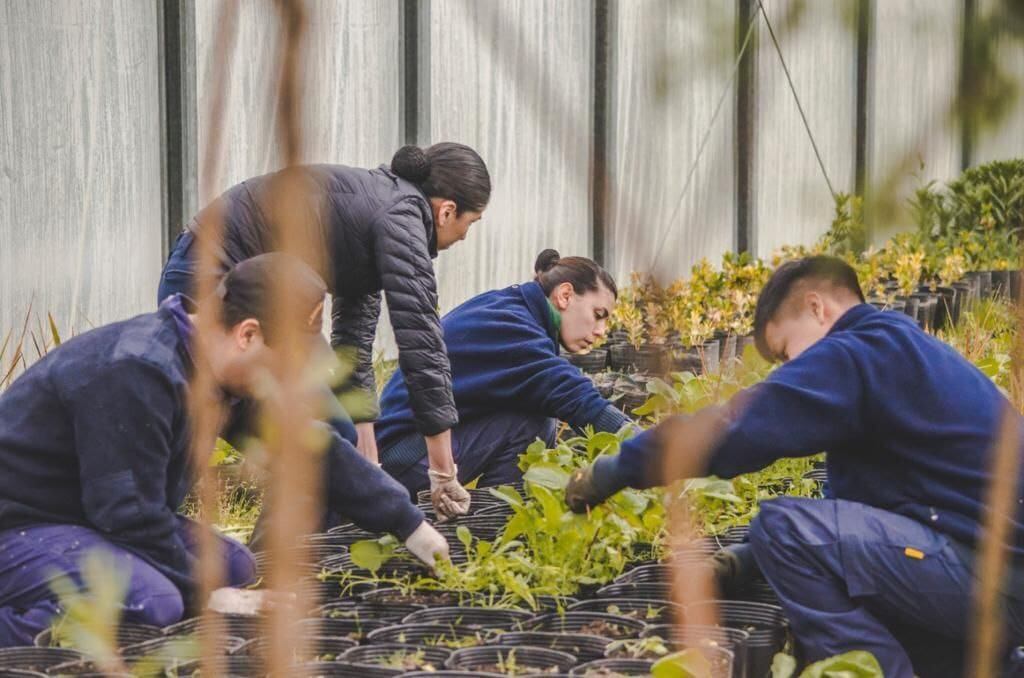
(448, 171)
(583, 274)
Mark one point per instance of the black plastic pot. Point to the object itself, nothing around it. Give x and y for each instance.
(37, 658)
(731, 537)
(82, 669)
(402, 564)
(244, 626)
(1000, 284)
(944, 297)
(727, 347)
(484, 527)
(613, 667)
(428, 635)
(695, 359)
(592, 362)
(742, 343)
(911, 306)
(180, 646)
(658, 573)
(734, 640)
(361, 610)
(630, 400)
(22, 673)
(583, 646)
(766, 625)
(627, 590)
(342, 670)
(379, 655)
(354, 629)
(349, 534)
(646, 611)
(648, 359)
(1015, 285)
(387, 596)
(487, 656)
(601, 624)
(318, 648)
(127, 634)
(925, 310)
(452, 674)
(491, 619)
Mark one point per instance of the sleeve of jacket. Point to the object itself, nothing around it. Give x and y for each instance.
(805, 407)
(124, 428)
(367, 495)
(354, 326)
(407, 277)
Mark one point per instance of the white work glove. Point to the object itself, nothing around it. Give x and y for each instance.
(449, 497)
(426, 543)
(229, 600)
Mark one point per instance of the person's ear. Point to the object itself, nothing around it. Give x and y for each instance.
(446, 212)
(563, 296)
(817, 306)
(247, 333)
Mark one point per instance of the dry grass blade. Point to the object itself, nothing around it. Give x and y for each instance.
(289, 414)
(205, 407)
(987, 637)
(19, 356)
(686, 445)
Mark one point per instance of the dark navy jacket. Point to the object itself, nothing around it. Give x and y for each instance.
(96, 433)
(376, 232)
(907, 422)
(503, 348)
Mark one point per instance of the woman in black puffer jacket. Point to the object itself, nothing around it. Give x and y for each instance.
(380, 230)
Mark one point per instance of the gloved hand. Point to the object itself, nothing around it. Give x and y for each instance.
(590, 486)
(228, 600)
(426, 543)
(449, 497)
(735, 569)
(581, 493)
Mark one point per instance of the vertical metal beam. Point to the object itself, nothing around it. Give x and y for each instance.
(178, 115)
(864, 14)
(967, 114)
(746, 121)
(410, 69)
(599, 143)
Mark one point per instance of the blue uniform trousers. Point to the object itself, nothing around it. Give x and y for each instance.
(487, 448)
(851, 576)
(34, 556)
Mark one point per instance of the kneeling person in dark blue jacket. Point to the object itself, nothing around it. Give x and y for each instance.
(510, 383)
(885, 564)
(94, 455)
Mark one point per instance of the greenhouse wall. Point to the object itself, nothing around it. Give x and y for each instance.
(647, 134)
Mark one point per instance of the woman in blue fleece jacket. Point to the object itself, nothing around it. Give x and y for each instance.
(509, 381)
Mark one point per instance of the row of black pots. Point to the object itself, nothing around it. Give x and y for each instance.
(658, 359)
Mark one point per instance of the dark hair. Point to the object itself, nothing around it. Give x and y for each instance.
(246, 292)
(446, 170)
(583, 274)
(819, 268)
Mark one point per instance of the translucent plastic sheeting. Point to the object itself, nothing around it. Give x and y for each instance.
(350, 91)
(1006, 139)
(670, 64)
(513, 80)
(350, 87)
(915, 63)
(792, 202)
(80, 186)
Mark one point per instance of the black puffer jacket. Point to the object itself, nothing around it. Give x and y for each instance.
(377, 233)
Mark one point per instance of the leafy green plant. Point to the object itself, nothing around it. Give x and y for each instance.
(855, 664)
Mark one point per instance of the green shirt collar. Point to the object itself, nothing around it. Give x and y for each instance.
(556, 321)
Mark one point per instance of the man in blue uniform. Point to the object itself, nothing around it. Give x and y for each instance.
(885, 564)
(94, 454)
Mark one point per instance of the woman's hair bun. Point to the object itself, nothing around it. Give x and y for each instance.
(546, 260)
(411, 163)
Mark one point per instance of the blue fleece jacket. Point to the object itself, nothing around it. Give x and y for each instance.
(96, 433)
(503, 349)
(907, 422)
